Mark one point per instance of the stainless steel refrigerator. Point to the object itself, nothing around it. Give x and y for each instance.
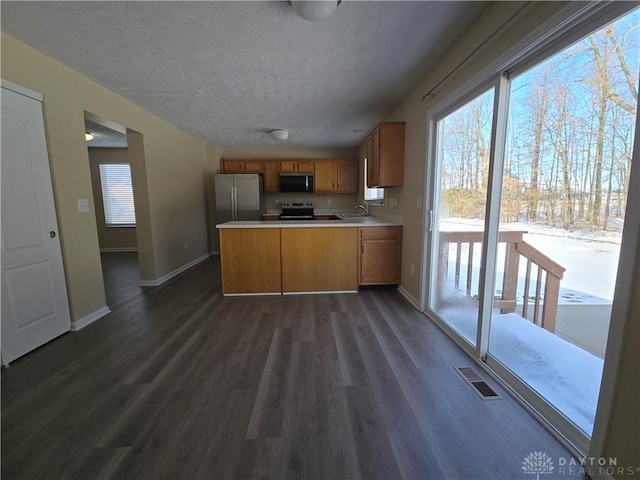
(239, 197)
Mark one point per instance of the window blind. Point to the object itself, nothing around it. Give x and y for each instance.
(117, 194)
(375, 195)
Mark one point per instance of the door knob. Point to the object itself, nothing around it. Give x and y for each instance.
(52, 234)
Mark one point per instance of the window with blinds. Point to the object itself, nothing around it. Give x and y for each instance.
(117, 194)
(373, 196)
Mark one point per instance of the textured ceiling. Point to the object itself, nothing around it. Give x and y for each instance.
(226, 72)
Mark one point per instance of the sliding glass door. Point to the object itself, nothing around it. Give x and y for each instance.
(529, 185)
(563, 201)
(464, 142)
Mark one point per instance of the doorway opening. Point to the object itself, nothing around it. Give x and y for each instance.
(115, 212)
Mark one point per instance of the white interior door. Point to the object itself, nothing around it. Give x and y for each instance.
(34, 294)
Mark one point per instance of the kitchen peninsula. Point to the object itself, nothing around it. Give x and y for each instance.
(309, 256)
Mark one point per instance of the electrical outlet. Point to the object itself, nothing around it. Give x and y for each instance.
(83, 205)
(186, 246)
(413, 269)
(330, 201)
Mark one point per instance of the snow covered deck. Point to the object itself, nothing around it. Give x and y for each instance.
(565, 368)
(565, 374)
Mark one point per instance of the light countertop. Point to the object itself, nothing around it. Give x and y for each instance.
(362, 221)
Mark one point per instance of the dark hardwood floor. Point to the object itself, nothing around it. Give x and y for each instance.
(121, 275)
(179, 382)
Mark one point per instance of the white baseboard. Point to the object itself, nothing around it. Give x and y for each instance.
(119, 249)
(89, 319)
(177, 271)
(412, 300)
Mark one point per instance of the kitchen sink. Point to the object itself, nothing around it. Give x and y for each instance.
(349, 215)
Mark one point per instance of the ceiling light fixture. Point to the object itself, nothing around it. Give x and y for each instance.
(279, 134)
(88, 136)
(314, 10)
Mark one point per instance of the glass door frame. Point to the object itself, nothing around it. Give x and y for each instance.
(557, 424)
(500, 85)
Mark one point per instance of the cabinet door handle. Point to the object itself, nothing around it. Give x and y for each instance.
(362, 248)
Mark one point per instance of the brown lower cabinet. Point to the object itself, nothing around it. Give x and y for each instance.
(308, 259)
(250, 260)
(380, 255)
(319, 259)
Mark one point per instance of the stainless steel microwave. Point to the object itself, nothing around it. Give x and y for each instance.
(296, 182)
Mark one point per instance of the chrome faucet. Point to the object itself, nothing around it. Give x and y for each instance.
(365, 208)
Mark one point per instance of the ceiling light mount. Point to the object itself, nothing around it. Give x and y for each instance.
(314, 10)
(279, 133)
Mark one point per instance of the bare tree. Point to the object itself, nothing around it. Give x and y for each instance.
(539, 103)
(631, 80)
(603, 94)
(604, 52)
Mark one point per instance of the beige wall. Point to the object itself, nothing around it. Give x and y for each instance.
(109, 238)
(137, 160)
(622, 440)
(213, 153)
(174, 211)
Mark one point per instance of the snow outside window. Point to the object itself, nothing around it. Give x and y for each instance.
(117, 194)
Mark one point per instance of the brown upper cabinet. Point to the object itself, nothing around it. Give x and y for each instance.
(335, 176)
(330, 176)
(385, 155)
(241, 166)
(347, 171)
(271, 176)
(303, 166)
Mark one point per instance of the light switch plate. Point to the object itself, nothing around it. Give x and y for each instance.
(83, 205)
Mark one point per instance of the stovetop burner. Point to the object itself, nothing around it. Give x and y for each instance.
(297, 211)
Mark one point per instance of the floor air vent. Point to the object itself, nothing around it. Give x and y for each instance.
(479, 386)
